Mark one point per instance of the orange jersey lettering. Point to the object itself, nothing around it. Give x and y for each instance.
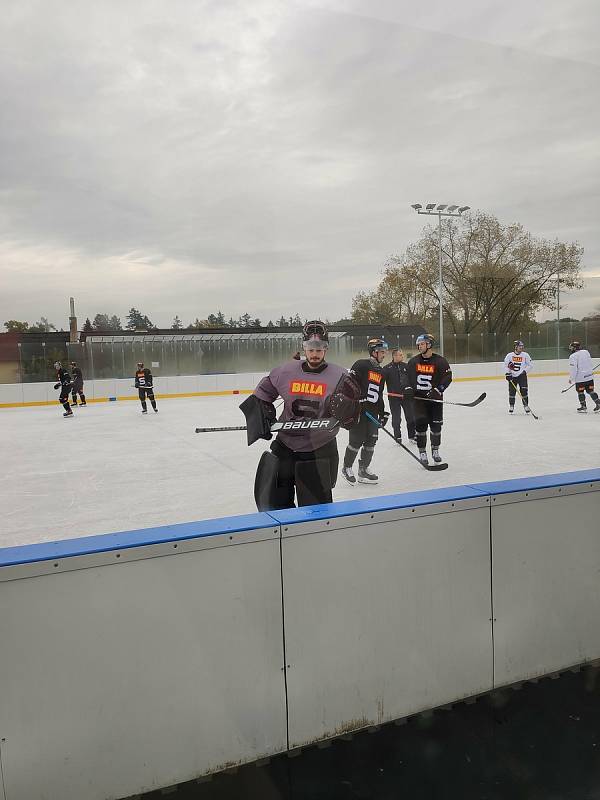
(428, 369)
(375, 377)
(308, 387)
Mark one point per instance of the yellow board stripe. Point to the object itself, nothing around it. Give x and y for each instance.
(227, 392)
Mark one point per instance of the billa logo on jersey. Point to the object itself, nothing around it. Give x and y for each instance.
(375, 377)
(517, 359)
(427, 369)
(308, 387)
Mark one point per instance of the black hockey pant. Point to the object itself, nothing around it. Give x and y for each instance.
(64, 397)
(364, 434)
(521, 383)
(286, 470)
(144, 392)
(428, 415)
(582, 388)
(397, 406)
(78, 390)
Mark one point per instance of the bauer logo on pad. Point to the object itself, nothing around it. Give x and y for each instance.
(308, 387)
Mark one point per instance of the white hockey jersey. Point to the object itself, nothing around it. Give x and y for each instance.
(517, 363)
(580, 367)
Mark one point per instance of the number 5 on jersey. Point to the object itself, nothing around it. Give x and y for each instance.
(424, 383)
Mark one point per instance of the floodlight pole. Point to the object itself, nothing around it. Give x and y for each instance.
(440, 212)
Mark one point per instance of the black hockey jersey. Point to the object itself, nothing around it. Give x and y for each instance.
(143, 379)
(63, 377)
(371, 380)
(426, 374)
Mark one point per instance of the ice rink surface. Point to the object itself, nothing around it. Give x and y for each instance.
(110, 468)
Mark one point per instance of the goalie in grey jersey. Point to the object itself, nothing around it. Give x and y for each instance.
(302, 462)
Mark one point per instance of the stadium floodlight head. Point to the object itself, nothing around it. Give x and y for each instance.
(441, 207)
(417, 206)
(430, 206)
(452, 208)
(464, 208)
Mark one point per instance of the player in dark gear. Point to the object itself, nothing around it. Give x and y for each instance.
(371, 379)
(429, 375)
(77, 388)
(144, 383)
(396, 381)
(581, 373)
(301, 465)
(64, 383)
(516, 366)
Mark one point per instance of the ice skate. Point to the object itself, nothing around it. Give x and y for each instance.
(435, 454)
(583, 410)
(348, 475)
(423, 458)
(364, 476)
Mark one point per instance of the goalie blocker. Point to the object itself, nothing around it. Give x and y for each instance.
(303, 460)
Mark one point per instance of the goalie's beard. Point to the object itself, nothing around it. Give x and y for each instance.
(313, 362)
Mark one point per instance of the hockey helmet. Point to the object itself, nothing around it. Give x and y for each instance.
(315, 330)
(518, 343)
(140, 363)
(376, 343)
(574, 346)
(425, 337)
(57, 365)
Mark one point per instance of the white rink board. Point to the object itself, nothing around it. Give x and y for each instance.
(124, 678)
(546, 565)
(386, 619)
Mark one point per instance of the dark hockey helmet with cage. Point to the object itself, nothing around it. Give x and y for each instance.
(575, 345)
(57, 365)
(518, 343)
(425, 337)
(315, 331)
(376, 343)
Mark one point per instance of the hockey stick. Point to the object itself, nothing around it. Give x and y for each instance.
(473, 403)
(517, 388)
(429, 467)
(291, 426)
(562, 391)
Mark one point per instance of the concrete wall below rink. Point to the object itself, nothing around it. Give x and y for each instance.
(137, 660)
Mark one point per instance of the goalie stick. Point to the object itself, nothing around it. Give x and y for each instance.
(562, 391)
(291, 426)
(473, 403)
(428, 467)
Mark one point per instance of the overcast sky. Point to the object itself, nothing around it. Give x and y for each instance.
(185, 157)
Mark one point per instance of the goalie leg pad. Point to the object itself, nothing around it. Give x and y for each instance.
(313, 482)
(272, 487)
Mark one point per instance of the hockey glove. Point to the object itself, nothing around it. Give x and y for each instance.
(57, 385)
(344, 402)
(511, 365)
(434, 394)
(408, 392)
(383, 417)
(509, 376)
(259, 416)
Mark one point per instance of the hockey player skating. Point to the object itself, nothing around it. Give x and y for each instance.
(396, 381)
(64, 383)
(77, 388)
(301, 462)
(370, 378)
(430, 375)
(581, 373)
(516, 366)
(144, 383)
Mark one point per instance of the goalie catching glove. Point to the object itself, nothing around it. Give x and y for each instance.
(259, 416)
(344, 402)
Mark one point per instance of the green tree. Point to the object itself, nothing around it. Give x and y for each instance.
(245, 320)
(87, 325)
(138, 321)
(43, 326)
(282, 322)
(14, 326)
(255, 323)
(177, 324)
(101, 322)
(114, 323)
(495, 277)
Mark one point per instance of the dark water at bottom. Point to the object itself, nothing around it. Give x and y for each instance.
(539, 743)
